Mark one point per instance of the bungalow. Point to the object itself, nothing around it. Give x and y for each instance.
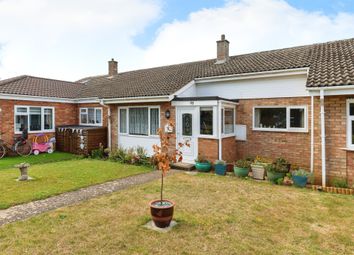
(297, 103)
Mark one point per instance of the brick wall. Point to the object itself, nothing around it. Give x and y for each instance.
(65, 114)
(293, 146)
(208, 148)
(229, 149)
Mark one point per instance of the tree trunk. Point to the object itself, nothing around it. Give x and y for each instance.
(161, 188)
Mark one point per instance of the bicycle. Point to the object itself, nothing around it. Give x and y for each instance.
(21, 145)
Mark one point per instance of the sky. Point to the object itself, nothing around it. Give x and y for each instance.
(70, 40)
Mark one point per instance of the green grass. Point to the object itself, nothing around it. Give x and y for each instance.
(10, 162)
(55, 178)
(215, 215)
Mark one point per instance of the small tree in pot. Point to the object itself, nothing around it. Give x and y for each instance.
(162, 209)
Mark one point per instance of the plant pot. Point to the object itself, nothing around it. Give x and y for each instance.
(220, 169)
(258, 171)
(229, 167)
(300, 181)
(274, 176)
(203, 166)
(162, 214)
(241, 172)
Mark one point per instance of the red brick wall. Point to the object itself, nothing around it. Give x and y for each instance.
(65, 114)
(293, 146)
(208, 148)
(350, 167)
(229, 149)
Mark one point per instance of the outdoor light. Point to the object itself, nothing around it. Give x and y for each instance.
(167, 114)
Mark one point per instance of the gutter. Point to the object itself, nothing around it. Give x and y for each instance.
(109, 123)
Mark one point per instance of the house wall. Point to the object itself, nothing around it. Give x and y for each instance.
(65, 114)
(296, 146)
(129, 141)
(208, 148)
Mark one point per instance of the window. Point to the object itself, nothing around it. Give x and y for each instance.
(139, 120)
(229, 122)
(291, 118)
(350, 124)
(91, 116)
(154, 121)
(123, 121)
(34, 118)
(206, 121)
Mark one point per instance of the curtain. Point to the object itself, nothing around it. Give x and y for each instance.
(154, 121)
(138, 121)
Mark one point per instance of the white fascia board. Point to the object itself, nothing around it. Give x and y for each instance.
(195, 103)
(332, 91)
(146, 99)
(48, 99)
(184, 88)
(257, 75)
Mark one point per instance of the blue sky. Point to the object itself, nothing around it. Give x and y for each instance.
(180, 9)
(72, 39)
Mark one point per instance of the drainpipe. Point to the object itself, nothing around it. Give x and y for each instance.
(109, 123)
(219, 130)
(312, 134)
(323, 138)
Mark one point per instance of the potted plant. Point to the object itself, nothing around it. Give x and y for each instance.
(300, 177)
(276, 171)
(202, 164)
(162, 209)
(242, 168)
(220, 167)
(283, 162)
(258, 171)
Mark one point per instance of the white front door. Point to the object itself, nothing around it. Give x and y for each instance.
(187, 132)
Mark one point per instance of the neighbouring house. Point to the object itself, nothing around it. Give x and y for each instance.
(297, 103)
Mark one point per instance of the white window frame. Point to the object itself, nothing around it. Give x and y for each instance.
(215, 122)
(223, 134)
(149, 107)
(95, 115)
(350, 145)
(288, 128)
(28, 118)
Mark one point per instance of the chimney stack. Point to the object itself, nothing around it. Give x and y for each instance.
(222, 50)
(112, 67)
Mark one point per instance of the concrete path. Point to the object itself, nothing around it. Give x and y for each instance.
(24, 211)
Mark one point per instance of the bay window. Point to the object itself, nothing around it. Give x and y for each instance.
(142, 121)
(350, 124)
(34, 118)
(287, 118)
(91, 116)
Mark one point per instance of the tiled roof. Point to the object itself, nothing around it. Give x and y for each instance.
(35, 86)
(330, 64)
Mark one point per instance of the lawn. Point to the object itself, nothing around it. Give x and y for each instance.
(9, 162)
(55, 178)
(216, 215)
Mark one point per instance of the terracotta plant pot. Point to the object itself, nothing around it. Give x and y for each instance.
(162, 214)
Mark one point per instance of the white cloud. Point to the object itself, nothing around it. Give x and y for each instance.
(249, 25)
(70, 39)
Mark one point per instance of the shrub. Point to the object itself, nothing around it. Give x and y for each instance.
(262, 160)
(219, 162)
(301, 172)
(136, 156)
(280, 181)
(340, 183)
(277, 168)
(201, 159)
(243, 163)
(98, 153)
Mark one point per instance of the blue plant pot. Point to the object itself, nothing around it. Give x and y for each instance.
(300, 181)
(220, 169)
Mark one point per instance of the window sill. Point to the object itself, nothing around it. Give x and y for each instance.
(228, 135)
(95, 125)
(139, 136)
(347, 149)
(37, 132)
(281, 130)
